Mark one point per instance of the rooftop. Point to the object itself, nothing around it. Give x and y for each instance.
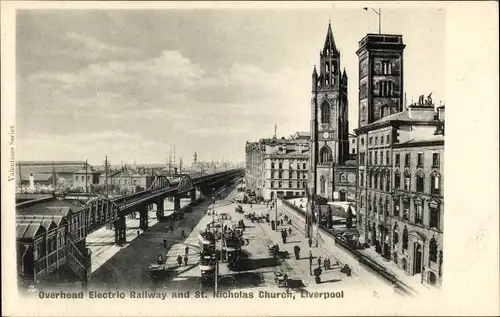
(433, 139)
(53, 207)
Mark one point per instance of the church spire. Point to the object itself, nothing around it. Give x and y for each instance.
(330, 46)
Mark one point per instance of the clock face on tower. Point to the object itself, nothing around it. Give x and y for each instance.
(326, 135)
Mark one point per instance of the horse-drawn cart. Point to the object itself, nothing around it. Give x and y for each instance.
(281, 278)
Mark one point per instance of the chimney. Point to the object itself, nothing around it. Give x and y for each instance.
(440, 111)
(421, 112)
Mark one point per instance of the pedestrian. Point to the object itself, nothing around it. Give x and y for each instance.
(310, 242)
(186, 250)
(319, 261)
(179, 260)
(325, 264)
(290, 231)
(186, 260)
(138, 233)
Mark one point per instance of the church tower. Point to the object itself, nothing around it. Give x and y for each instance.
(330, 130)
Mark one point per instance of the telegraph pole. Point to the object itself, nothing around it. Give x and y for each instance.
(86, 177)
(106, 175)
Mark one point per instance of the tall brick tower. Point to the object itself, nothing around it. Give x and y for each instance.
(330, 130)
(380, 77)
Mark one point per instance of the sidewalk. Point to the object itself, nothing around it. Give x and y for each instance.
(360, 279)
(328, 247)
(413, 283)
(102, 241)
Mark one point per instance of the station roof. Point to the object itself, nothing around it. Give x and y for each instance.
(53, 207)
(27, 231)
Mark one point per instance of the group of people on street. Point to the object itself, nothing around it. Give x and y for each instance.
(179, 259)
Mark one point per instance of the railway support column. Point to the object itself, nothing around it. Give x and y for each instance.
(120, 231)
(177, 203)
(160, 208)
(144, 219)
(192, 194)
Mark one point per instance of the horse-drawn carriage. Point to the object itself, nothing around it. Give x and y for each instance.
(274, 249)
(281, 278)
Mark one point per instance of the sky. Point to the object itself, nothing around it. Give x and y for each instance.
(129, 84)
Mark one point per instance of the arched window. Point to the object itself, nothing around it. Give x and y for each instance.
(435, 184)
(325, 112)
(407, 180)
(343, 177)
(322, 183)
(395, 235)
(405, 239)
(433, 250)
(397, 180)
(325, 155)
(387, 182)
(395, 209)
(376, 181)
(432, 278)
(387, 207)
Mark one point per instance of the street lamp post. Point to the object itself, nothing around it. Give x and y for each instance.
(379, 13)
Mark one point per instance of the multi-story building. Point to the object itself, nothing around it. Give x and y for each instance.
(417, 214)
(86, 178)
(254, 177)
(394, 193)
(127, 179)
(278, 166)
(335, 173)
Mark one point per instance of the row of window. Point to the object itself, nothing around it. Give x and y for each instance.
(280, 166)
(433, 246)
(382, 181)
(291, 175)
(386, 88)
(290, 184)
(378, 158)
(381, 209)
(435, 182)
(77, 178)
(420, 159)
(386, 68)
(377, 140)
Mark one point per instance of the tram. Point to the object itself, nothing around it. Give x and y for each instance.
(208, 259)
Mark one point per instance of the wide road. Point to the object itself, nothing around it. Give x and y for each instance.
(256, 270)
(128, 269)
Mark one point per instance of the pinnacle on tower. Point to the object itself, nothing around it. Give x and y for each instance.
(315, 73)
(330, 46)
(344, 74)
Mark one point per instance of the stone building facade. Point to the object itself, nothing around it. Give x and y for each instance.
(380, 77)
(278, 166)
(418, 204)
(335, 179)
(400, 170)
